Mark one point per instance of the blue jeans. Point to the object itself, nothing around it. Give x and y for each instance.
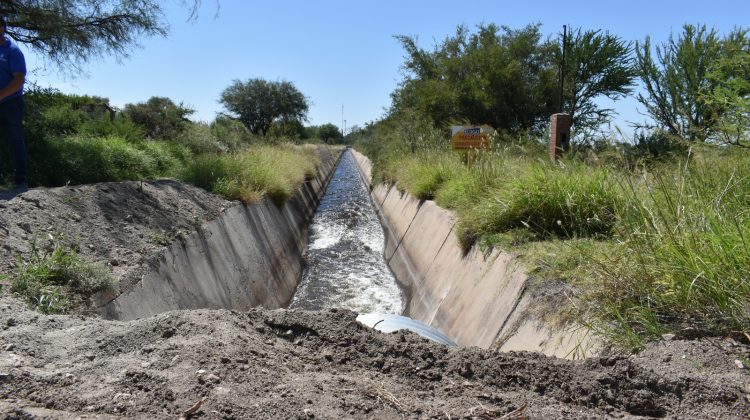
(11, 124)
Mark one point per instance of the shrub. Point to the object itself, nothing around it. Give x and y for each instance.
(654, 146)
(84, 160)
(199, 138)
(231, 133)
(121, 126)
(159, 117)
(61, 120)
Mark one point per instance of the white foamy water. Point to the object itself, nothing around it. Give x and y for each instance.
(344, 267)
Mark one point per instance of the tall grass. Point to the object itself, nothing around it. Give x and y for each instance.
(83, 159)
(683, 264)
(572, 201)
(275, 171)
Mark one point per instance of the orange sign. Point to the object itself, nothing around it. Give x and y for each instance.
(471, 137)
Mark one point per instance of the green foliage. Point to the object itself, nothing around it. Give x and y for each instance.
(287, 129)
(71, 32)
(199, 138)
(679, 79)
(730, 94)
(119, 126)
(258, 103)
(51, 113)
(496, 76)
(57, 280)
(231, 133)
(423, 175)
(61, 120)
(83, 160)
(682, 263)
(597, 64)
(159, 117)
(547, 201)
(329, 133)
(654, 146)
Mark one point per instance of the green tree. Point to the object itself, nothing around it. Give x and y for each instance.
(675, 79)
(70, 32)
(258, 103)
(159, 117)
(498, 76)
(290, 129)
(729, 96)
(329, 133)
(597, 64)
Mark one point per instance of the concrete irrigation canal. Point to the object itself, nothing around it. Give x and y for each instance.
(216, 324)
(343, 264)
(343, 243)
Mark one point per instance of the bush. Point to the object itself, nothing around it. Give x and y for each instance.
(120, 126)
(159, 117)
(199, 138)
(85, 160)
(231, 133)
(654, 146)
(61, 120)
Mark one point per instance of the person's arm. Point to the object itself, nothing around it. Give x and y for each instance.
(14, 86)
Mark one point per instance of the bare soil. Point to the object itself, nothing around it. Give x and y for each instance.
(296, 364)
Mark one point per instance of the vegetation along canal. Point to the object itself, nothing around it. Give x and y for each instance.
(344, 267)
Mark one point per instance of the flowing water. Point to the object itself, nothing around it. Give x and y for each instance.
(344, 267)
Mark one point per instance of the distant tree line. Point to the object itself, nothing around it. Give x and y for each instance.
(696, 84)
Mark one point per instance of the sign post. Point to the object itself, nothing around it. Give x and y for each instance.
(471, 138)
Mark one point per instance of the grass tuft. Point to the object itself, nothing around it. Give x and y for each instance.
(57, 280)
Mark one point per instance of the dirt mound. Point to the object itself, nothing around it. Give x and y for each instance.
(121, 224)
(295, 364)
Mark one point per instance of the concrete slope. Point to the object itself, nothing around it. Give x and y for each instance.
(477, 299)
(250, 256)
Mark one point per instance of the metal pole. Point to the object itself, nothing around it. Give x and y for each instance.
(562, 66)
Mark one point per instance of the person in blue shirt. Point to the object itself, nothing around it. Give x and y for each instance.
(12, 78)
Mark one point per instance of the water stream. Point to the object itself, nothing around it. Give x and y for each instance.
(344, 266)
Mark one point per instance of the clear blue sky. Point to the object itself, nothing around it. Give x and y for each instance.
(343, 52)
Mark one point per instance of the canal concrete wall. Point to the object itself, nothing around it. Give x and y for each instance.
(478, 298)
(249, 256)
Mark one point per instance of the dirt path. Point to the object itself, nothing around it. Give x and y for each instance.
(293, 364)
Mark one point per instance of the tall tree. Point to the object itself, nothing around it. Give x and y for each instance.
(258, 103)
(675, 79)
(70, 32)
(497, 75)
(597, 64)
